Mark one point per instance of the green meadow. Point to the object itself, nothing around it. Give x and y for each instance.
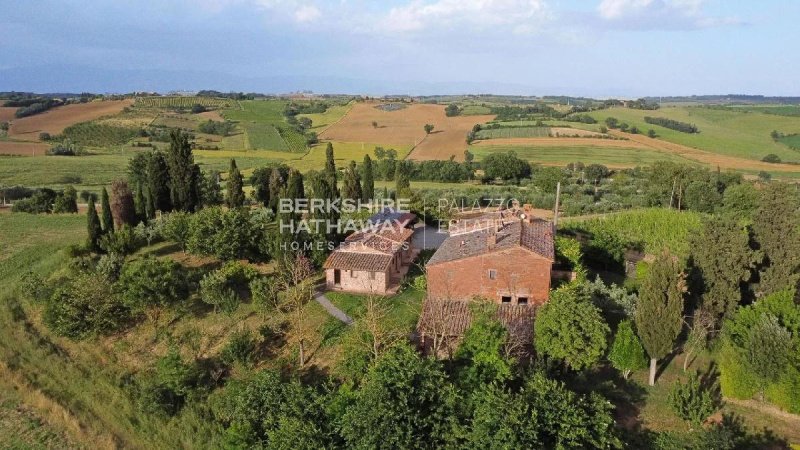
(611, 156)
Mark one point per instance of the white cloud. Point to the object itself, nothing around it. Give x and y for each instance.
(521, 16)
(666, 14)
(307, 13)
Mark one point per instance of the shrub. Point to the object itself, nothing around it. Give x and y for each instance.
(225, 287)
(772, 158)
(627, 353)
(123, 241)
(109, 266)
(152, 282)
(241, 348)
(41, 202)
(35, 288)
(84, 305)
(694, 402)
(264, 291)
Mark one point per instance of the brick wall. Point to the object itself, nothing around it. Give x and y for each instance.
(519, 273)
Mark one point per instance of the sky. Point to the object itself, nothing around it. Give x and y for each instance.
(600, 48)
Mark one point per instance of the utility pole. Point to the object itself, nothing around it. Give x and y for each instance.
(555, 210)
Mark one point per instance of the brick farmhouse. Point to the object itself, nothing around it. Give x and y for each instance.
(505, 258)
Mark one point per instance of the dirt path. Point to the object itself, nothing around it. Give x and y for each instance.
(702, 156)
(319, 296)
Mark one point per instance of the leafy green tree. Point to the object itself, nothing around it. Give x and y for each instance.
(177, 227)
(295, 186)
(702, 196)
(505, 166)
(775, 226)
(404, 401)
(740, 200)
(694, 402)
(725, 262)
(501, 419)
(428, 128)
(480, 357)
(596, 172)
(108, 219)
(93, 228)
(570, 328)
(260, 182)
(234, 195)
(211, 193)
(277, 184)
(368, 188)
(226, 235)
(626, 353)
(659, 312)
(768, 351)
(547, 178)
(402, 178)
(183, 173)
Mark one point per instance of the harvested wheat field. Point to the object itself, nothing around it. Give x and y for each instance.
(404, 127)
(55, 120)
(211, 115)
(7, 113)
(712, 159)
(560, 142)
(23, 148)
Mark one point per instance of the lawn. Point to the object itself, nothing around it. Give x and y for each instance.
(610, 156)
(403, 308)
(723, 131)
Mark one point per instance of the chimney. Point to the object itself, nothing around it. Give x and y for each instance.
(491, 240)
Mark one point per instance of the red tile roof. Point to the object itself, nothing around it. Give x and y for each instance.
(453, 317)
(344, 260)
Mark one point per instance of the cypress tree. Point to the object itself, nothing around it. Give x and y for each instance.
(139, 204)
(149, 208)
(108, 218)
(277, 183)
(351, 185)
(295, 188)
(158, 182)
(182, 172)
(368, 187)
(330, 169)
(659, 312)
(93, 227)
(234, 196)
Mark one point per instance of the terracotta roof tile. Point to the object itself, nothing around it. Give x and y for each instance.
(536, 236)
(344, 260)
(453, 317)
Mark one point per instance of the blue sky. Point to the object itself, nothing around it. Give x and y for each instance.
(534, 47)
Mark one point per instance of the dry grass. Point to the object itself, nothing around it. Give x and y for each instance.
(7, 113)
(565, 131)
(712, 159)
(404, 128)
(22, 148)
(559, 142)
(55, 120)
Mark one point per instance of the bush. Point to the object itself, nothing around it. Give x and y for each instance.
(84, 305)
(216, 127)
(152, 282)
(225, 287)
(241, 348)
(110, 265)
(694, 402)
(41, 202)
(123, 241)
(264, 292)
(225, 234)
(772, 158)
(672, 124)
(35, 288)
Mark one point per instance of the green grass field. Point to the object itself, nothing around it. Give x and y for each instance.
(792, 141)
(514, 132)
(723, 131)
(265, 126)
(321, 121)
(265, 136)
(780, 110)
(611, 156)
(475, 110)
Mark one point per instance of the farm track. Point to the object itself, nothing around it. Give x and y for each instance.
(702, 156)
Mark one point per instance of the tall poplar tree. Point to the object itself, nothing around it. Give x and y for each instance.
(659, 311)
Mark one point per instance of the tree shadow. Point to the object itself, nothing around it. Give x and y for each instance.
(665, 362)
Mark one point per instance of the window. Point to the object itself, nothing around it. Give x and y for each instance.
(522, 300)
(505, 299)
(352, 274)
(492, 274)
(372, 275)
